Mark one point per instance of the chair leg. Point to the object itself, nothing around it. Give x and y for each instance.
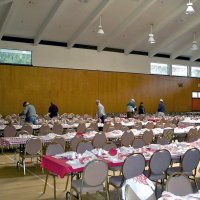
(196, 183)
(24, 166)
(67, 182)
(54, 183)
(45, 184)
(107, 191)
(118, 194)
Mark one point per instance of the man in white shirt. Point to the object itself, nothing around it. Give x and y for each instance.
(100, 111)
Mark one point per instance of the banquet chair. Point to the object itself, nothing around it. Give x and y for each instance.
(149, 125)
(44, 129)
(118, 126)
(162, 141)
(138, 126)
(60, 140)
(58, 129)
(128, 171)
(131, 195)
(94, 126)
(188, 164)
(148, 137)
(168, 134)
(53, 149)
(179, 184)
(105, 127)
(83, 146)
(111, 128)
(27, 127)
(127, 138)
(81, 128)
(74, 142)
(89, 129)
(138, 143)
(94, 176)
(33, 149)
(9, 131)
(192, 135)
(158, 165)
(99, 140)
(109, 145)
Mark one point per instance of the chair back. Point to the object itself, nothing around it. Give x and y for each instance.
(133, 166)
(33, 146)
(138, 143)
(148, 137)
(74, 142)
(89, 129)
(109, 145)
(58, 129)
(149, 125)
(99, 140)
(53, 149)
(160, 161)
(44, 129)
(162, 141)
(190, 160)
(118, 126)
(83, 146)
(179, 184)
(138, 126)
(94, 126)
(105, 127)
(168, 134)
(60, 140)
(27, 127)
(192, 135)
(81, 128)
(127, 139)
(95, 173)
(9, 131)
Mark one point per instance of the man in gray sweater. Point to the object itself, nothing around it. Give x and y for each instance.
(29, 112)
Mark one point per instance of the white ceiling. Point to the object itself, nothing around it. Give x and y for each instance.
(126, 24)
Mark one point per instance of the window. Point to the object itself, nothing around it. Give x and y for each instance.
(195, 95)
(159, 68)
(195, 72)
(20, 57)
(179, 70)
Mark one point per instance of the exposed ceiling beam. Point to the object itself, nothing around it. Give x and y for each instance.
(47, 21)
(89, 20)
(2, 2)
(126, 23)
(174, 36)
(7, 18)
(133, 44)
(195, 57)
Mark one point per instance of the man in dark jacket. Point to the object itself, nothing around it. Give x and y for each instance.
(53, 110)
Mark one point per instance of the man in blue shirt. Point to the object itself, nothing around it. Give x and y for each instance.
(161, 108)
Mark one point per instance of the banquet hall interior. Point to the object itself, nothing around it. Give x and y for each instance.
(85, 56)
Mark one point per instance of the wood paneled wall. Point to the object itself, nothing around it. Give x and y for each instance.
(76, 90)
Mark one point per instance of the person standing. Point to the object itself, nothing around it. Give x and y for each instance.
(100, 111)
(53, 110)
(141, 109)
(131, 108)
(30, 112)
(161, 108)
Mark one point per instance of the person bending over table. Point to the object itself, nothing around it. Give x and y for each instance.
(30, 112)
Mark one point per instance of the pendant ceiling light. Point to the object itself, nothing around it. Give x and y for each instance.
(151, 36)
(194, 44)
(190, 9)
(100, 29)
